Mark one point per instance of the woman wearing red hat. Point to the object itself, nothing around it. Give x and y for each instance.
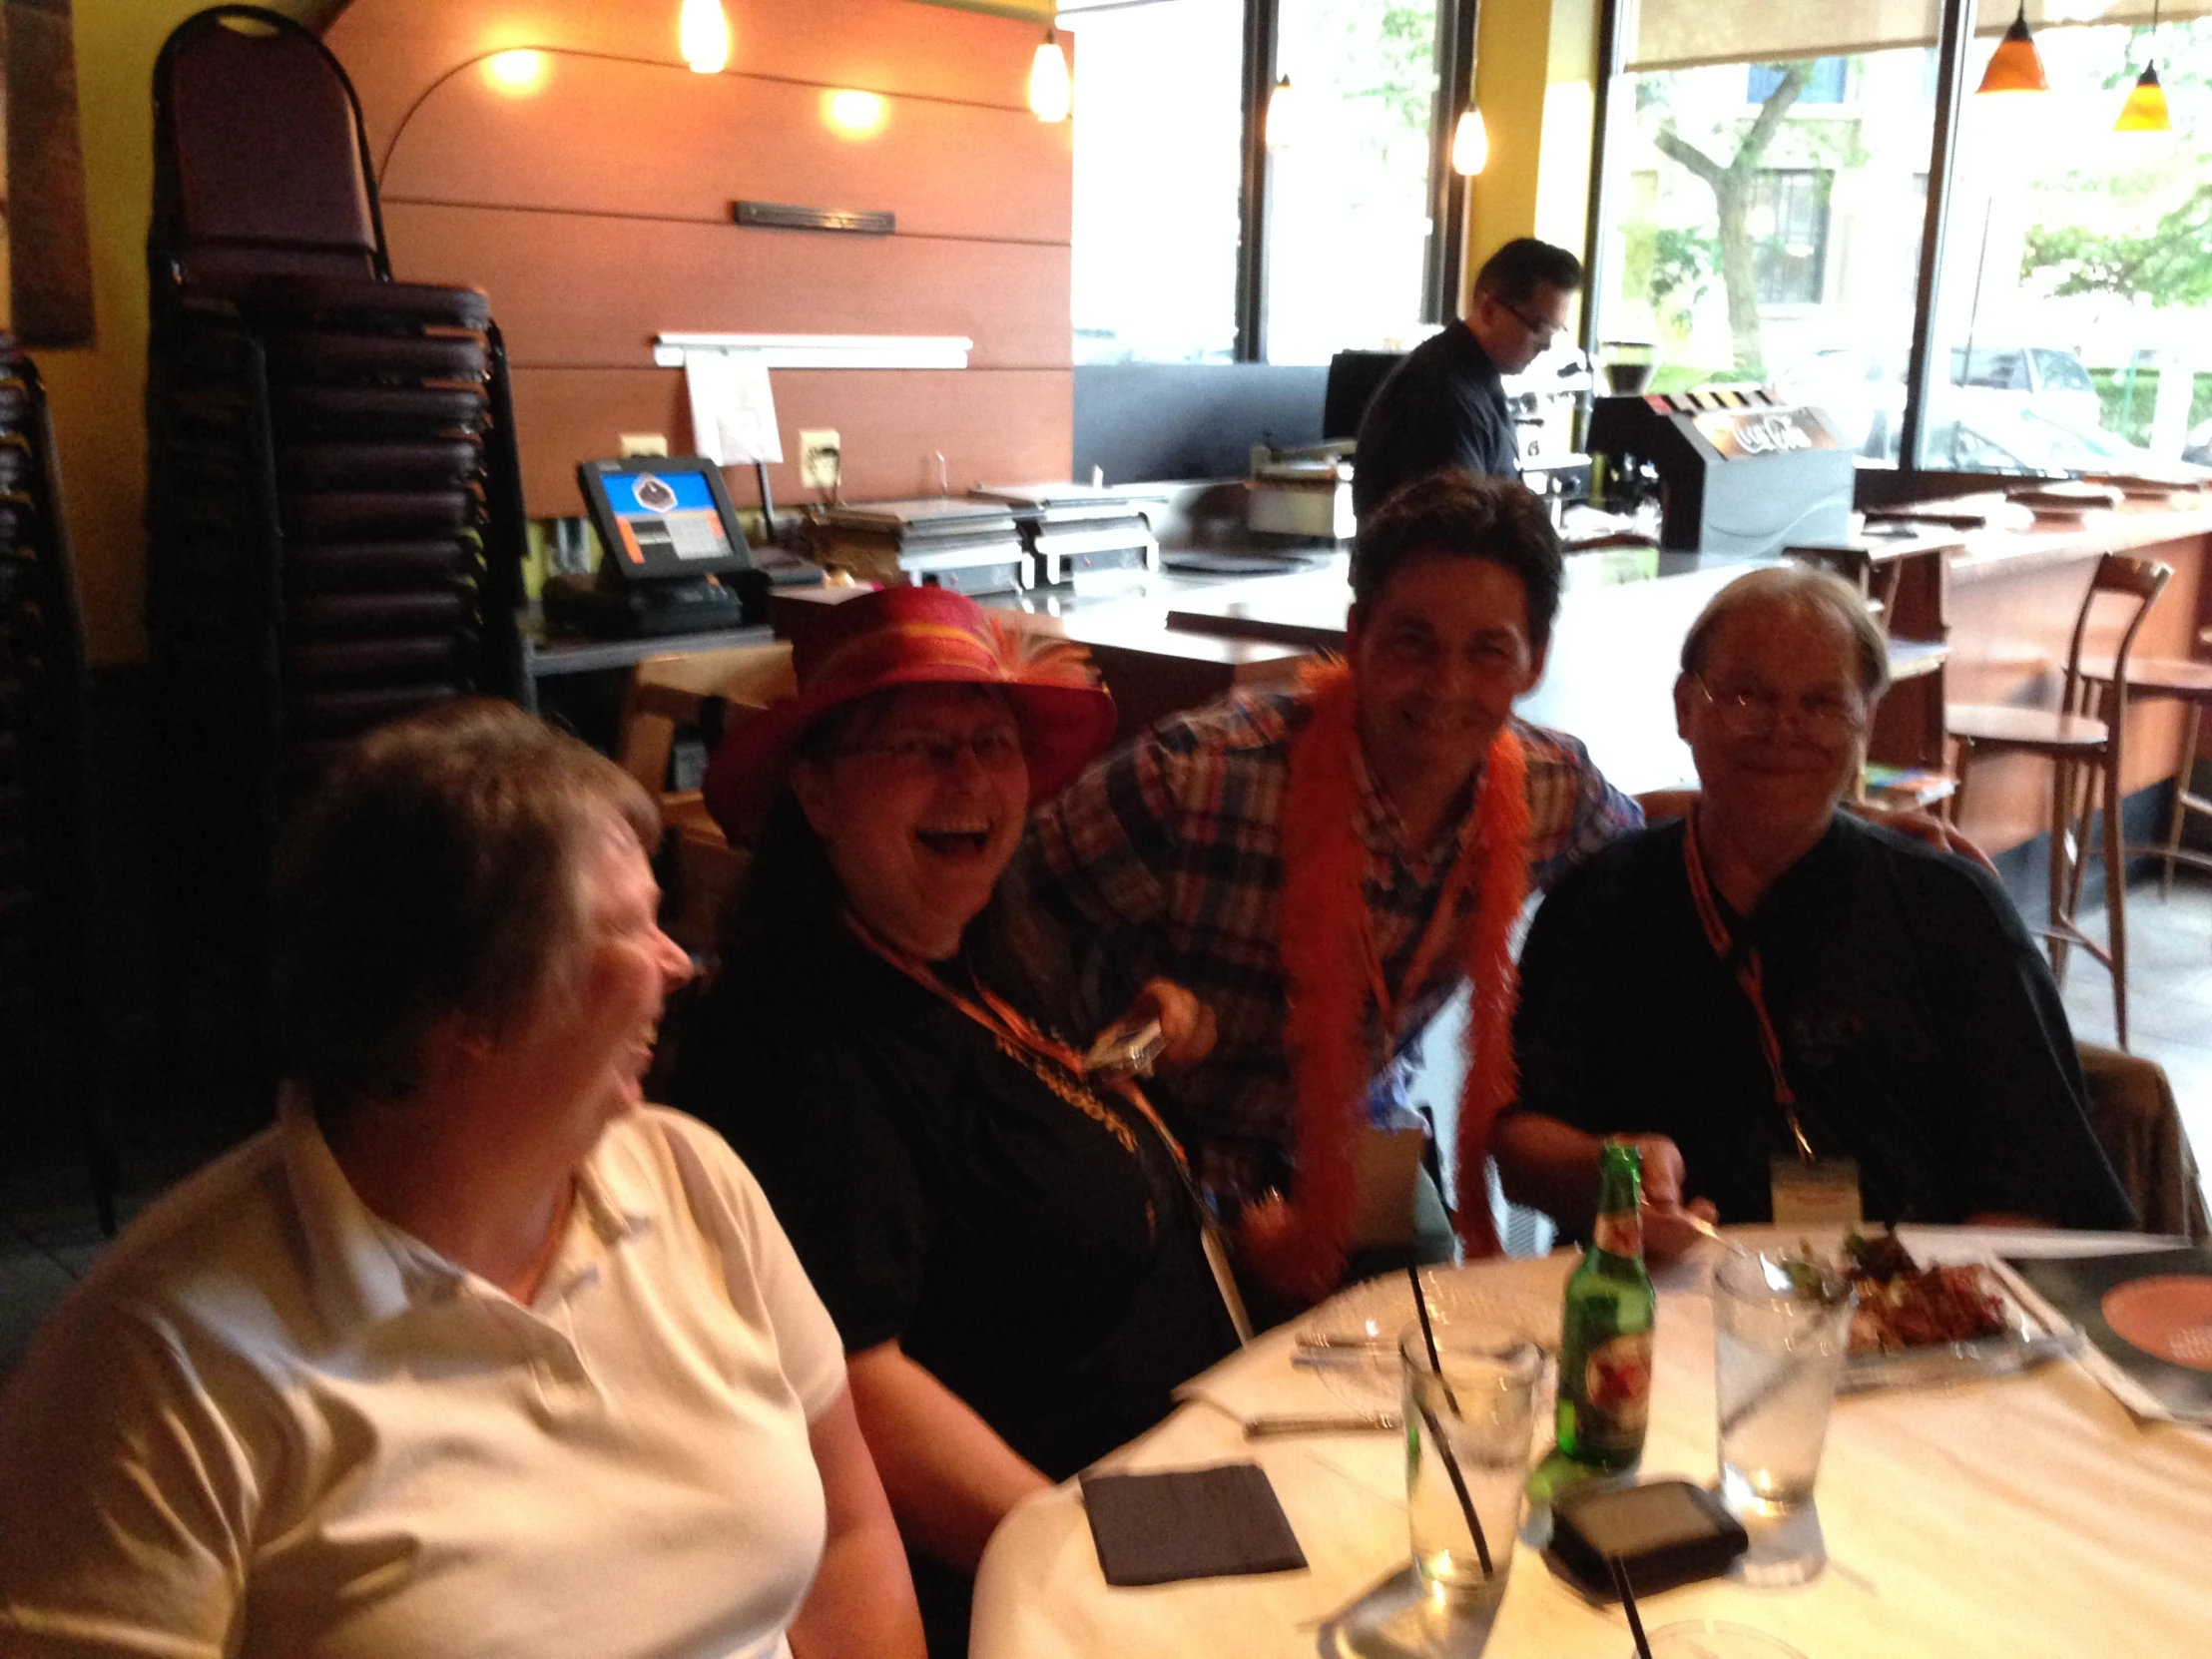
(1010, 1245)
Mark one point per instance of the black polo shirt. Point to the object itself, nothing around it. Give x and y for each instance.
(1443, 407)
(1921, 1030)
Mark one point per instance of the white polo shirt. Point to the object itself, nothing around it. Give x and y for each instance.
(270, 1422)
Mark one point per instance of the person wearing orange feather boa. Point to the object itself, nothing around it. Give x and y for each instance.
(1326, 864)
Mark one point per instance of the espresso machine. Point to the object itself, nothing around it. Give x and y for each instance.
(1734, 469)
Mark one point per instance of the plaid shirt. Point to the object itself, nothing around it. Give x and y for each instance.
(1165, 860)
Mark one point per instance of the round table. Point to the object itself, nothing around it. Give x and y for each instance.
(2021, 1515)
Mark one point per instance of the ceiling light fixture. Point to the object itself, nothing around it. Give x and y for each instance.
(702, 36)
(2145, 109)
(2015, 65)
(1052, 91)
(1471, 144)
(1283, 112)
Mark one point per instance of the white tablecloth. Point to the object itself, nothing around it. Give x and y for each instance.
(2014, 1516)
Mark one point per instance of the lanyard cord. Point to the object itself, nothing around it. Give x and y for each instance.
(1441, 922)
(1033, 1048)
(1743, 962)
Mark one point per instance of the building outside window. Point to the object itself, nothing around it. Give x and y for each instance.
(1764, 204)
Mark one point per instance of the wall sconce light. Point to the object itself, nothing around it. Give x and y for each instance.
(2145, 109)
(2015, 65)
(1471, 144)
(853, 113)
(1052, 91)
(517, 73)
(1283, 116)
(703, 35)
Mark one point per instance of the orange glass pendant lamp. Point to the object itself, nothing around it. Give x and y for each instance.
(2015, 65)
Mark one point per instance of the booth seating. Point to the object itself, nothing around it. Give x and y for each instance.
(45, 834)
(334, 509)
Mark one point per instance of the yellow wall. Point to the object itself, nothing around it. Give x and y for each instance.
(97, 393)
(1535, 70)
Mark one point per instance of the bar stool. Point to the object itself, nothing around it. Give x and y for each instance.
(2083, 736)
(2182, 680)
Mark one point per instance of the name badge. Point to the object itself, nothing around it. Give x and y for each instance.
(1822, 1192)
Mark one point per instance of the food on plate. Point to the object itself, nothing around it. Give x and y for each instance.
(1903, 1305)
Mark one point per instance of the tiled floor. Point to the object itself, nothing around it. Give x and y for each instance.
(2170, 1002)
(49, 1236)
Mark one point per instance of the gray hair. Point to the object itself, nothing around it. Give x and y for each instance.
(1799, 588)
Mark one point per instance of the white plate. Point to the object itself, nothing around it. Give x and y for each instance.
(1350, 1340)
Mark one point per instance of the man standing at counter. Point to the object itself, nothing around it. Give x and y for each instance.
(1326, 864)
(1444, 406)
(1793, 1011)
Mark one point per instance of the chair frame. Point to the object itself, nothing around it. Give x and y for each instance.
(2075, 802)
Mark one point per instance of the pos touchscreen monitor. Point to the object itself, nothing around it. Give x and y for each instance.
(663, 517)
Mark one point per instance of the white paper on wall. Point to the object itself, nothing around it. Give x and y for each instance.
(732, 409)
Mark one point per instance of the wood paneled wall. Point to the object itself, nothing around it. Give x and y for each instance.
(594, 207)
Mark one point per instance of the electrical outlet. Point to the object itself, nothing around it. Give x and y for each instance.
(818, 460)
(643, 443)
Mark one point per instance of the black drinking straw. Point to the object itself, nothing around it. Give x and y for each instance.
(1435, 1428)
(1628, 1604)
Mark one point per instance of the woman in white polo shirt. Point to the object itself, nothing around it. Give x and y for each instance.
(472, 1352)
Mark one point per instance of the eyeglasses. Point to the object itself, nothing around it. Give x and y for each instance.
(1758, 713)
(938, 753)
(1540, 329)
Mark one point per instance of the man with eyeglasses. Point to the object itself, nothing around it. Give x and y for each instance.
(1444, 405)
(1795, 1014)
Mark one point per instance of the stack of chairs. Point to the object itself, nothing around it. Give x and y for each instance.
(46, 897)
(334, 509)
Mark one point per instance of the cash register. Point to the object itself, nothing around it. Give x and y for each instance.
(672, 560)
(1734, 469)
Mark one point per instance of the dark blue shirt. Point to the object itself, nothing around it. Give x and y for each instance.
(1443, 407)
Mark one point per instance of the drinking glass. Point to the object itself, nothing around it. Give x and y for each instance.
(1470, 1418)
(1778, 1347)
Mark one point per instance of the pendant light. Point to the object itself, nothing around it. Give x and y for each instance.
(1471, 144)
(2145, 109)
(1052, 91)
(703, 34)
(1281, 122)
(2015, 65)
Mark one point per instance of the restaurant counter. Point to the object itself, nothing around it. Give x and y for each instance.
(2024, 1516)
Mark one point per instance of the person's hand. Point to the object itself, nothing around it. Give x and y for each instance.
(1667, 1235)
(1186, 1024)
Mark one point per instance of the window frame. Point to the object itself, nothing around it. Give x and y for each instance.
(1447, 195)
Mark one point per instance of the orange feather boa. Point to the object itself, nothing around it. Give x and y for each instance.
(1299, 1246)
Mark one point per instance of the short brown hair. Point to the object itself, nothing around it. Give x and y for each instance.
(435, 872)
(1467, 516)
(1802, 588)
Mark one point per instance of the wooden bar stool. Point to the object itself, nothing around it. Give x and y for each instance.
(2183, 680)
(2082, 741)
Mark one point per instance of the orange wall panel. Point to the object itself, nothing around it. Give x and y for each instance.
(597, 134)
(992, 426)
(594, 208)
(573, 290)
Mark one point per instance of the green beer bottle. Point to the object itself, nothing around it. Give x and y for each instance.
(1605, 1332)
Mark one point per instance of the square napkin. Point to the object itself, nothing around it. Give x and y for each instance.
(1189, 1523)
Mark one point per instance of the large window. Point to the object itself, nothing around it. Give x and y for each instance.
(1765, 190)
(1159, 134)
(1195, 241)
(1762, 216)
(1348, 193)
(2074, 307)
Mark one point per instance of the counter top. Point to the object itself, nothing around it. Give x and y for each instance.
(2015, 540)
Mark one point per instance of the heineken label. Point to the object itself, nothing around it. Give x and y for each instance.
(1616, 1389)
